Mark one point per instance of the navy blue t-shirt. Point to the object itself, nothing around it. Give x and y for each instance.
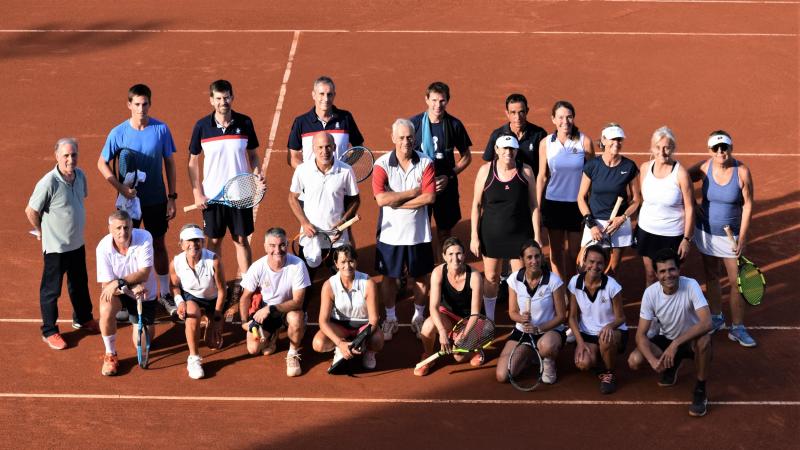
(457, 138)
(608, 183)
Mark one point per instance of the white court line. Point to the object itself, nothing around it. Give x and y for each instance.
(392, 401)
(767, 155)
(478, 32)
(724, 2)
(749, 327)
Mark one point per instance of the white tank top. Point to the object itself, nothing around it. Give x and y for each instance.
(352, 304)
(565, 162)
(662, 206)
(200, 281)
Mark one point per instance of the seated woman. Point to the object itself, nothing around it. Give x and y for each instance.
(348, 303)
(197, 282)
(536, 302)
(455, 294)
(596, 317)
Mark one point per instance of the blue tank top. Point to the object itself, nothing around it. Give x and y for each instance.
(722, 204)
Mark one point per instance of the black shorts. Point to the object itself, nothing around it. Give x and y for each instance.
(562, 215)
(148, 310)
(207, 305)
(218, 218)
(390, 259)
(684, 350)
(272, 323)
(154, 218)
(623, 341)
(352, 327)
(446, 210)
(648, 244)
(518, 335)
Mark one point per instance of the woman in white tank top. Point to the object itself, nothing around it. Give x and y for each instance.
(666, 219)
(348, 302)
(562, 155)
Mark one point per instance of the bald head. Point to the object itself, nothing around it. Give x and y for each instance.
(324, 146)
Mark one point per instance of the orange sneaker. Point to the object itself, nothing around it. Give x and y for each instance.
(55, 341)
(91, 326)
(478, 359)
(110, 365)
(424, 370)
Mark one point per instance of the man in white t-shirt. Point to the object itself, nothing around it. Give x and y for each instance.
(679, 306)
(125, 273)
(273, 291)
(323, 195)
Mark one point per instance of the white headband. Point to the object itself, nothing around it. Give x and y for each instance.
(506, 141)
(717, 139)
(192, 233)
(613, 132)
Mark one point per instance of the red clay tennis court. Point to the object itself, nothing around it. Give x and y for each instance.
(695, 66)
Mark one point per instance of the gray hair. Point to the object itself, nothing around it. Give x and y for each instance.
(661, 133)
(276, 232)
(119, 215)
(402, 123)
(67, 140)
(324, 80)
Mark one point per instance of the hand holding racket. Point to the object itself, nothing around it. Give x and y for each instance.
(124, 162)
(322, 240)
(471, 334)
(605, 237)
(750, 281)
(243, 191)
(361, 160)
(357, 346)
(142, 356)
(525, 364)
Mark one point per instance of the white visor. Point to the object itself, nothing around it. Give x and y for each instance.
(717, 139)
(613, 132)
(192, 233)
(506, 141)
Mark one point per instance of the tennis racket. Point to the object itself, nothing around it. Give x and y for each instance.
(245, 190)
(142, 356)
(324, 237)
(525, 364)
(361, 160)
(125, 161)
(358, 344)
(605, 241)
(750, 281)
(471, 334)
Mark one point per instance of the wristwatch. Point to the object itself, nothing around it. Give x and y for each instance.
(172, 196)
(121, 283)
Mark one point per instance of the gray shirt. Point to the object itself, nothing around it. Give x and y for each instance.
(60, 205)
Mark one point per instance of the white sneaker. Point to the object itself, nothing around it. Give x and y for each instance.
(416, 325)
(293, 364)
(549, 371)
(389, 327)
(570, 336)
(368, 360)
(195, 367)
(337, 356)
(122, 315)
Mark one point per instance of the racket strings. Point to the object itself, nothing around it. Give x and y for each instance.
(524, 367)
(473, 334)
(244, 191)
(361, 160)
(751, 283)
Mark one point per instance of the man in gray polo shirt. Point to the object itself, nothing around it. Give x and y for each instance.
(56, 212)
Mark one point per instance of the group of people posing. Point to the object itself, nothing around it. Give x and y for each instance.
(532, 182)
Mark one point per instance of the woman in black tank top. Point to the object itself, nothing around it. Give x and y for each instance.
(455, 293)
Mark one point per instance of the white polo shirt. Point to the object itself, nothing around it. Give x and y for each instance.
(112, 265)
(398, 226)
(350, 304)
(199, 281)
(596, 311)
(323, 193)
(541, 300)
(676, 312)
(276, 287)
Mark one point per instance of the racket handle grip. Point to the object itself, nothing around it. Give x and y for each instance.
(428, 360)
(190, 208)
(616, 207)
(729, 232)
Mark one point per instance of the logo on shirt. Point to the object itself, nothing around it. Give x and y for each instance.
(337, 125)
(238, 131)
(623, 172)
(508, 188)
(531, 147)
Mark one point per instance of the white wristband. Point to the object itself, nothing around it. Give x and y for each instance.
(178, 300)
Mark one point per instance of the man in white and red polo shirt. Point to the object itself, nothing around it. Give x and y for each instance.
(404, 186)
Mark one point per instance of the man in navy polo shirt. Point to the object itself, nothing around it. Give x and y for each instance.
(228, 142)
(437, 135)
(528, 134)
(323, 116)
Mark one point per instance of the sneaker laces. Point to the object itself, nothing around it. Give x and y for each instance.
(607, 377)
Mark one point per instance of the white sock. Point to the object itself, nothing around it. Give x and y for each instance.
(292, 350)
(488, 305)
(241, 275)
(163, 284)
(111, 343)
(419, 310)
(390, 314)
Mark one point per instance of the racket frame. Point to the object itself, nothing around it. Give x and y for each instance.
(366, 153)
(526, 340)
(142, 356)
(220, 198)
(744, 266)
(455, 349)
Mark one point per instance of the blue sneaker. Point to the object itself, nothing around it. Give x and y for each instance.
(717, 323)
(739, 334)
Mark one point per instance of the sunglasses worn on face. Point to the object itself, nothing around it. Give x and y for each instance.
(720, 148)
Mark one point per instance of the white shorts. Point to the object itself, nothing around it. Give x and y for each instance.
(623, 237)
(712, 245)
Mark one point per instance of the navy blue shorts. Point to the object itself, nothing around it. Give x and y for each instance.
(208, 305)
(518, 335)
(391, 259)
(592, 339)
(218, 218)
(148, 310)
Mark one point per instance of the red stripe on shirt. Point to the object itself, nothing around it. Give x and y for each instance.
(326, 131)
(225, 136)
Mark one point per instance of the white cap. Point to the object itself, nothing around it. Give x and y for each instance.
(613, 132)
(719, 139)
(192, 233)
(506, 141)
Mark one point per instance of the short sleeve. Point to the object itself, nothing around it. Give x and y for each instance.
(300, 280)
(646, 310)
(351, 187)
(613, 287)
(295, 140)
(555, 282)
(380, 179)
(40, 199)
(428, 183)
(463, 142)
(195, 146)
(589, 167)
(488, 152)
(105, 272)
(168, 145)
(250, 280)
(296, 186)
(355, 134)
(252, 138)
(572, 282)
(696, 295)
(110, 148)
(144, 257)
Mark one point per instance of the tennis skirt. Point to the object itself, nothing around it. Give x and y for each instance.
(623, 237)
(712, 245)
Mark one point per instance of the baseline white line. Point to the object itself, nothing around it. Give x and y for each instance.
(766, 155)
(476, 32)
(725, 2)
(429, 401)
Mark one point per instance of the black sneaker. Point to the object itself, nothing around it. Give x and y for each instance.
(608, 383)
(699, 405)
(670, 376)
(169, 305)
